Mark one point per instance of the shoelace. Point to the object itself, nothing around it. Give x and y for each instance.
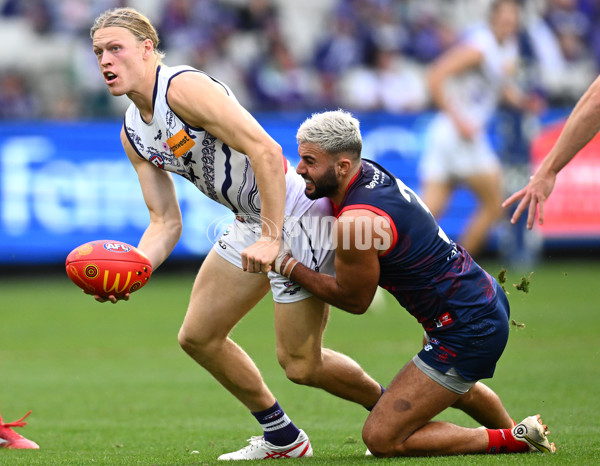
(19, 423)
(255, 442)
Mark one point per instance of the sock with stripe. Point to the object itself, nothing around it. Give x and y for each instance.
(502, 441)
(277, 426)
(370, 408)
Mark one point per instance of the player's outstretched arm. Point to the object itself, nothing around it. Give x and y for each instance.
(203, 103)
(455, 61)
(356, 265)
(158, 189)
(581, 126)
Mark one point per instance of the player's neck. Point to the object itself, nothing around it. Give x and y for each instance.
(143, 96)
(345, 182)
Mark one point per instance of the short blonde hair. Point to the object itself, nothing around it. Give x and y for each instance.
(334, 132)
(132, 20)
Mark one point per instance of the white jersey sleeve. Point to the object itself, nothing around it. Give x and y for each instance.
(475, 94)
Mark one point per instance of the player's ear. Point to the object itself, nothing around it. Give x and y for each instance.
(343, 166)
(148, 48)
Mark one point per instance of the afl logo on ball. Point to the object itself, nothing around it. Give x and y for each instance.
(116, 247)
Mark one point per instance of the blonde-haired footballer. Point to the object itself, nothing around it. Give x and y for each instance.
(185, 122)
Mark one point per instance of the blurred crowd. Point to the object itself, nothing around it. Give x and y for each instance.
(361, 55)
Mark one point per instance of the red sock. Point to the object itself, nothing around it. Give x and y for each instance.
(502, 441)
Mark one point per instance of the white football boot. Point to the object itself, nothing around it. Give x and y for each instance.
(260, 449)
(533, 432)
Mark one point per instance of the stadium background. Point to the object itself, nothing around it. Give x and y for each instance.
(109, 384)
(64, 180)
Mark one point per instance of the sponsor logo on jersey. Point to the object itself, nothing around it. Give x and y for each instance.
(180, 143)
(378, 177)
(443, 320)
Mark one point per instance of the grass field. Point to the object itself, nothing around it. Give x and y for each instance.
(108, 384)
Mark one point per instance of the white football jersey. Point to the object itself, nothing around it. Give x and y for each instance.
(222, 173)
(475, 93)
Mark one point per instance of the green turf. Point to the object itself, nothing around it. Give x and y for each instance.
(108, 384)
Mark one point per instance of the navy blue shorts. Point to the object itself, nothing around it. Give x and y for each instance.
(473, 347)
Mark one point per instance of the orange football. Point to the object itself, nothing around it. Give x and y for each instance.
(108, 267)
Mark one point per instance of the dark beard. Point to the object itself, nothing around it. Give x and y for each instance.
(325, 186)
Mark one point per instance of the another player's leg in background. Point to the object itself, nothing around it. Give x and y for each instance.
(435, 194)
(488, 190)
(299, 327)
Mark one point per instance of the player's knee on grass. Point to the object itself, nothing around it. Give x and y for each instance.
(378, 440)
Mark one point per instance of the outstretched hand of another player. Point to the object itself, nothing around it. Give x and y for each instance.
(259, 256)
(533, 197)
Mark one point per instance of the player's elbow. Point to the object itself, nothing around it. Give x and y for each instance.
(592, 96)
(172, 228)
(276, 148)
(176, 228)
(357, 307)
(273, 151)
(595, 98)
(434, 79)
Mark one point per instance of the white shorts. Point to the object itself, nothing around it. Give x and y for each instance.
(306, 232)
(448, 157)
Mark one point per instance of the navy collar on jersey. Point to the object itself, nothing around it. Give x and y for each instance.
(336, 208)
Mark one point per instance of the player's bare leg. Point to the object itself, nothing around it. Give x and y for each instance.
(299, 328)
(485, 406)
(435, 195)
(400, 423)
(487, 189)
(211, 315)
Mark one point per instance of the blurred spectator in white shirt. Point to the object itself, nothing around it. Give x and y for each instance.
(394, 84)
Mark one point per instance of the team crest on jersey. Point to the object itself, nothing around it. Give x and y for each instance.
(157, 160)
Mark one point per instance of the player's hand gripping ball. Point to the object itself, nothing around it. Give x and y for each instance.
(107, 267)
